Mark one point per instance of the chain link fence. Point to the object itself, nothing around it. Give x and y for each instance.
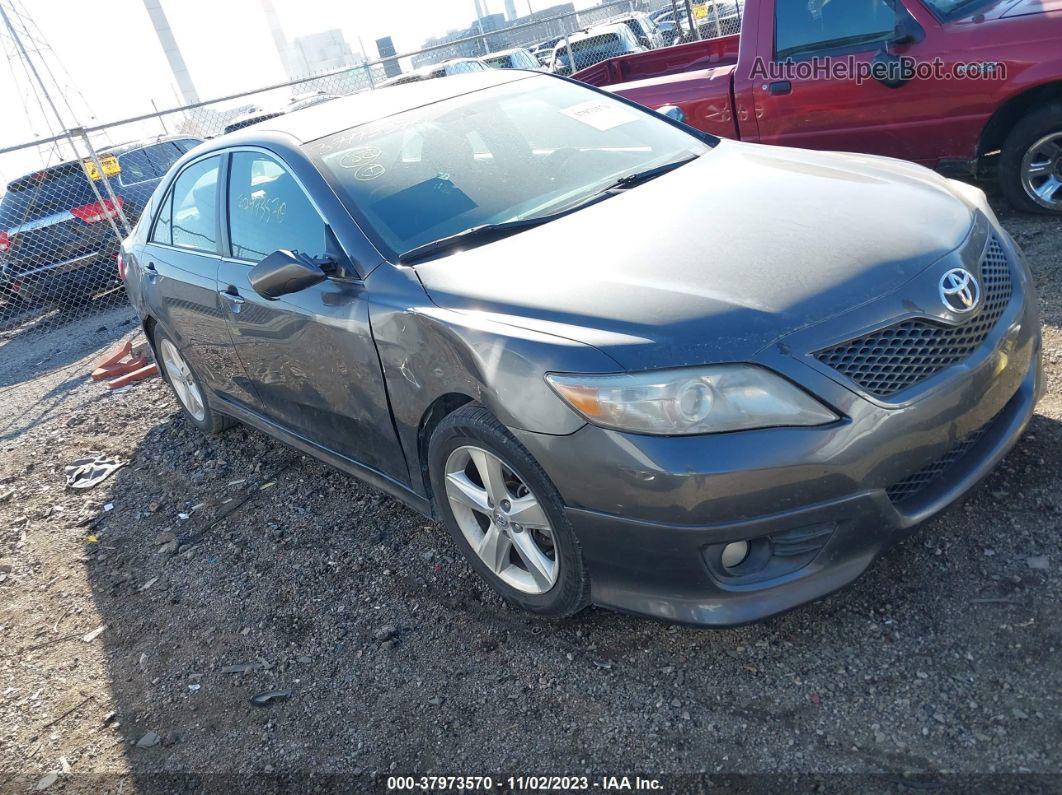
(62, 223)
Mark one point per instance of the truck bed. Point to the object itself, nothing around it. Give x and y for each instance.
(696, 55)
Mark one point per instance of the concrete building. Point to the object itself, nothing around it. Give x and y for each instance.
(321, 52)
(467, 42)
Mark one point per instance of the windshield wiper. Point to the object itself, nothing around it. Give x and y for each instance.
(641, 177)
(476, 236)
(488, 233)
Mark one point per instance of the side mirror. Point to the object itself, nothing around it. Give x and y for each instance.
(284, 272)
(907, 31)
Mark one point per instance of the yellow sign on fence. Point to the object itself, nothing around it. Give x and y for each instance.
(110, 167)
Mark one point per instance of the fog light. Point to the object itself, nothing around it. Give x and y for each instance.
(734, 554)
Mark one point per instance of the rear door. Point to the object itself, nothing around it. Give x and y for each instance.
(310, 354)
(180, 279)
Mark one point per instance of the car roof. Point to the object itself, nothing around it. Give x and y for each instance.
(346, 112)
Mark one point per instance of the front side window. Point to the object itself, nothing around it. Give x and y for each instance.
(195, 198)
(522, 150)
(808, 26)
(268, 210)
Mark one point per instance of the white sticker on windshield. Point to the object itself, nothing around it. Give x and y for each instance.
(601, 114)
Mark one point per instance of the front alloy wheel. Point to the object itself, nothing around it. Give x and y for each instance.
(501, 519)
(505, 515)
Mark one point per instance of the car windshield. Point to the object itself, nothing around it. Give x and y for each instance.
(526, 149)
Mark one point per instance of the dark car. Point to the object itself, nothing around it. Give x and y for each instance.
(56, 242)
(437, 288)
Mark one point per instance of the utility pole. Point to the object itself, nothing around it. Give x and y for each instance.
(59, 119)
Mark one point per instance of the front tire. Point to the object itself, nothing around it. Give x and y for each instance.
(1030, 165)
(505, 515)
(191, 396)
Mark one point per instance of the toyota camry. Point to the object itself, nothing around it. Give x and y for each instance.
(448, 290)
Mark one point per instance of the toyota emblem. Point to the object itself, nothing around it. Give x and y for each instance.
(960, 291)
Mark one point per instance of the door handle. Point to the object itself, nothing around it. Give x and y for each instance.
(780, 88)
(152, 272)
(233, 298)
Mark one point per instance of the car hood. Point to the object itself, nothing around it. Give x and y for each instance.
(713, 261)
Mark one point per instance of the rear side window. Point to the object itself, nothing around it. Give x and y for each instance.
(803, 27)
(194, 210)
(163, 156)
(137, 166)
(268, 210)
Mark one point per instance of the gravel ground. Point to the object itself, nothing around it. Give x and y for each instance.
(138, 620)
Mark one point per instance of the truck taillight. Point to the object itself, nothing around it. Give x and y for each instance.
(97, 211)
(121, 265)
(5, 242)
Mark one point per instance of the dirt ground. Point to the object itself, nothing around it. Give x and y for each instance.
(138, 620)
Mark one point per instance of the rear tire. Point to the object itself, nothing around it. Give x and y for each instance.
(191, 396)
(1031, 162)
(534, 560)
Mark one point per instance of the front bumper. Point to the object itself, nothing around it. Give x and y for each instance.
(653, 513)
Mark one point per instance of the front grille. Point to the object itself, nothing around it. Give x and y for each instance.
(901, 356)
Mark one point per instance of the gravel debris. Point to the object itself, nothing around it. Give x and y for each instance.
(940, 658)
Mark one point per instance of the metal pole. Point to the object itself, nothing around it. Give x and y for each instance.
(161, 120)
(106, 182)
(571, 55)
(694, 29)
(48, 98)
(718, 24)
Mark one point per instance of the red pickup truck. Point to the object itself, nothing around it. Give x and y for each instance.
(968, 87)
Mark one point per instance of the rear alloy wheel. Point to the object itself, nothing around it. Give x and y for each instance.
(1030, 165)
(505, 514)
(190, 394)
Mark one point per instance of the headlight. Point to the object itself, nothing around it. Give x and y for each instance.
(726, 397)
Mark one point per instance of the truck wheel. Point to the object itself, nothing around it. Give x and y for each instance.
(1030, 166)
(505, 515)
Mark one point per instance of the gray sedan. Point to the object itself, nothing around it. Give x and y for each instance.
(623, 362)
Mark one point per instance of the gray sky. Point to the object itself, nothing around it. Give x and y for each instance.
(107, 60)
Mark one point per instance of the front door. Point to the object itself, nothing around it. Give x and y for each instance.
(310, 354)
